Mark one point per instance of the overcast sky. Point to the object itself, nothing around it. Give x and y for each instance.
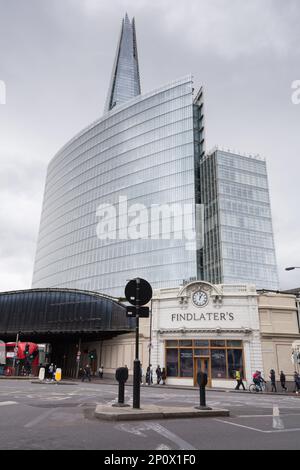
(56, 58)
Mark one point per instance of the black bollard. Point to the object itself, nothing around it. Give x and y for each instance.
(122, 377)
(202, 382)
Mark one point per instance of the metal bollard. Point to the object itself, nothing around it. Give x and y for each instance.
(121, 377)
(202, 382)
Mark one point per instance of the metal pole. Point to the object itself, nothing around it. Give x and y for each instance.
(78, 362)
(15, 349)
(137, 364)
(150, 335)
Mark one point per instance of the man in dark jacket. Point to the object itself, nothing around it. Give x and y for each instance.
(158, 374)
(273, 380)
(297, 382)
(282, 381)
(86, 373)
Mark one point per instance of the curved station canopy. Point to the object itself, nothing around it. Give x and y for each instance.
(45, 312)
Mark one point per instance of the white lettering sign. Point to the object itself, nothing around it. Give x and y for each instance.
(212, 316)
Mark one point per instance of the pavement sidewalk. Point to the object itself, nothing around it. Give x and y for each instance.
(129, 383)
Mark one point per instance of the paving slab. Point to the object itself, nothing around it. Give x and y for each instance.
(109, 413)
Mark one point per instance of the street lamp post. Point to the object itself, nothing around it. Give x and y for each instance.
(291, 268)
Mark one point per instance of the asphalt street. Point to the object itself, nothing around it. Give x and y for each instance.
(34, 416)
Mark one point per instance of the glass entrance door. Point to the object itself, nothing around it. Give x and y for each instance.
(202, 364)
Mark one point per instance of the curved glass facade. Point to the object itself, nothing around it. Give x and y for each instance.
(143, 151)
(61, 311)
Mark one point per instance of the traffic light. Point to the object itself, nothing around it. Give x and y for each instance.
(92, 355)
(26, 350)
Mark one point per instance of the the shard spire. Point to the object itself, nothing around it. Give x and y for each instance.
(125, 79)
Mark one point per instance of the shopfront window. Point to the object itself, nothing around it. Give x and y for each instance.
(172, 362)
(217, 343)
(201, 343)
(218, 363)
(225, 357)
(235, 362)
(201, 352)
(186, 363)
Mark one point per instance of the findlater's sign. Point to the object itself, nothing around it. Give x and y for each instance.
(202, 317)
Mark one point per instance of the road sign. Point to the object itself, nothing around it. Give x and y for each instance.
(138, 292)
(143, 312)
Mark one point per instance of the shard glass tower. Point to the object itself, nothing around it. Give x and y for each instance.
(125, 79)
(143, 153)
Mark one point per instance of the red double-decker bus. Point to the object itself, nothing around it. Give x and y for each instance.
(22, 358)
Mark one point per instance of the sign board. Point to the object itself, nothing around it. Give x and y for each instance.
(143, 312)
(138, 291)
(2, 353)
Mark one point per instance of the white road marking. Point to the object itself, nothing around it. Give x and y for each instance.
(163, 447)
(183, 445)
(39, 418)
(6, 403)
(137, 430)
(256, 429)
(239, 425)
(277, 421)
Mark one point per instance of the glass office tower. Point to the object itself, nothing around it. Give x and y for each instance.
(125, 79)
(239, 243)
(142, 150)
(147, 151)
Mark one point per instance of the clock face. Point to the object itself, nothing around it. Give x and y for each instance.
(200, 298)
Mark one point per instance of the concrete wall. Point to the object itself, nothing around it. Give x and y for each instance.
(279, 329)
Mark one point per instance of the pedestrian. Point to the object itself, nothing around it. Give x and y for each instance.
(86, 373)
(54, 372)
(297, 382)
(273, 380)
(142, 374)
(100, 372)
(148, 376)
(50, 371)
(158, 374)
(163, 376)
(282, 381)
(151, 374)
(239, 380)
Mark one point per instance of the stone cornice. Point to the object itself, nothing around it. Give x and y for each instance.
(245, 331)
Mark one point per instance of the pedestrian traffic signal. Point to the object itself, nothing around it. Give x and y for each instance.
(92, 355)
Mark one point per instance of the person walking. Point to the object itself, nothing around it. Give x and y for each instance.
(282, 381)
(148, 376)
(239, 380)
(273, 380)
(297, 382)
(163, 376)
(158, 375)
(86, 373)
(50, 371)
(151, 373)
(142, 374)
(100, 372)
